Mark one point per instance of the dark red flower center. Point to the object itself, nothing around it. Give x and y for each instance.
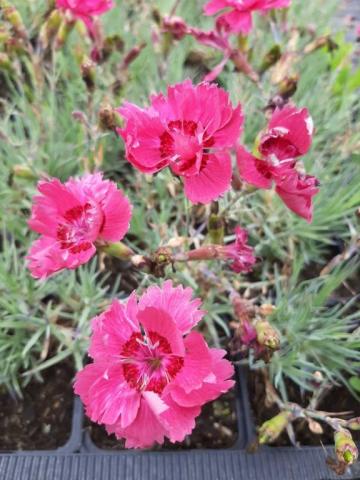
(75, 233)
(185, 146)
(279, 147)
(148, 362)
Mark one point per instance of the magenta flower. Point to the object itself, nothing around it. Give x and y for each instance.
(288, 136)
(241, 254)
(151, 375)
(191, 130)
(237, 17)
(71, 218)
(297, 191)
(85, 10)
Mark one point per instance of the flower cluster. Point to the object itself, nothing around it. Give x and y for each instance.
(288, 136)
(72, 218)
(151, 374)
(192, 131)
(239, 253)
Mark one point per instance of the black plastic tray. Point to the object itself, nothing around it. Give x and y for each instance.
(80, 459)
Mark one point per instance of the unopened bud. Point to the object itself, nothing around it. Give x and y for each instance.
(288, 86)
(118, 250)
(23, 171)
(216, 229)
(324, 41)
(5, 62)
(111, 44)
(132, 55)
(88, 73)
(242, 40)
(109, 118)
(50, 28)
(11, 15)
(267, 336)
(63, 33)
(271, 429)
(4, 35)
(345, 448)
(175, 26)
(270, 58)
(354, 423)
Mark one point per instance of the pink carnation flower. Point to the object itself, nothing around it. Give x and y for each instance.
(191, 131)
(237, 17)
(71, 218)
(241, 254)
(85, 10)
(297, 191)
(288, 136)
(151, 374)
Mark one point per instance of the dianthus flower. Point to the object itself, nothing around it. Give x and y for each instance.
(151, 374)
(191, 131)
(71, 218)
(237, 16)
(85, 10)
(239, 253)
(288, 136)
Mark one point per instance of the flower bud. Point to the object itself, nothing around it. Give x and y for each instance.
(345, 448)
(267, 336)
(288, 86)
(63, 33)
(4, 35)
(354, 423)
(176, 26)
(132, 55)
(109, 118)
(88, 73)
(50, 28)
(111, 44)
(23, 171)
(271, 429)
(118, 250)
(216, 229)
(11, 15)
(5, 62)
(270, 58)
(320, 42)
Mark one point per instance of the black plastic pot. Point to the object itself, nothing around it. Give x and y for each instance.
(80, 459)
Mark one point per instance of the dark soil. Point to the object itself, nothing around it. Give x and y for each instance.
(41, 420)
(216, 427)
(337, 400)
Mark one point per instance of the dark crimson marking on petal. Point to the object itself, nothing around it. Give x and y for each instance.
(148, 363)
(164, 345)
(76, 212)
(132, 346)
(175, 365)
(156, 385)
(132, 375)
(209, 142)
(166, 145)
(80, 248)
